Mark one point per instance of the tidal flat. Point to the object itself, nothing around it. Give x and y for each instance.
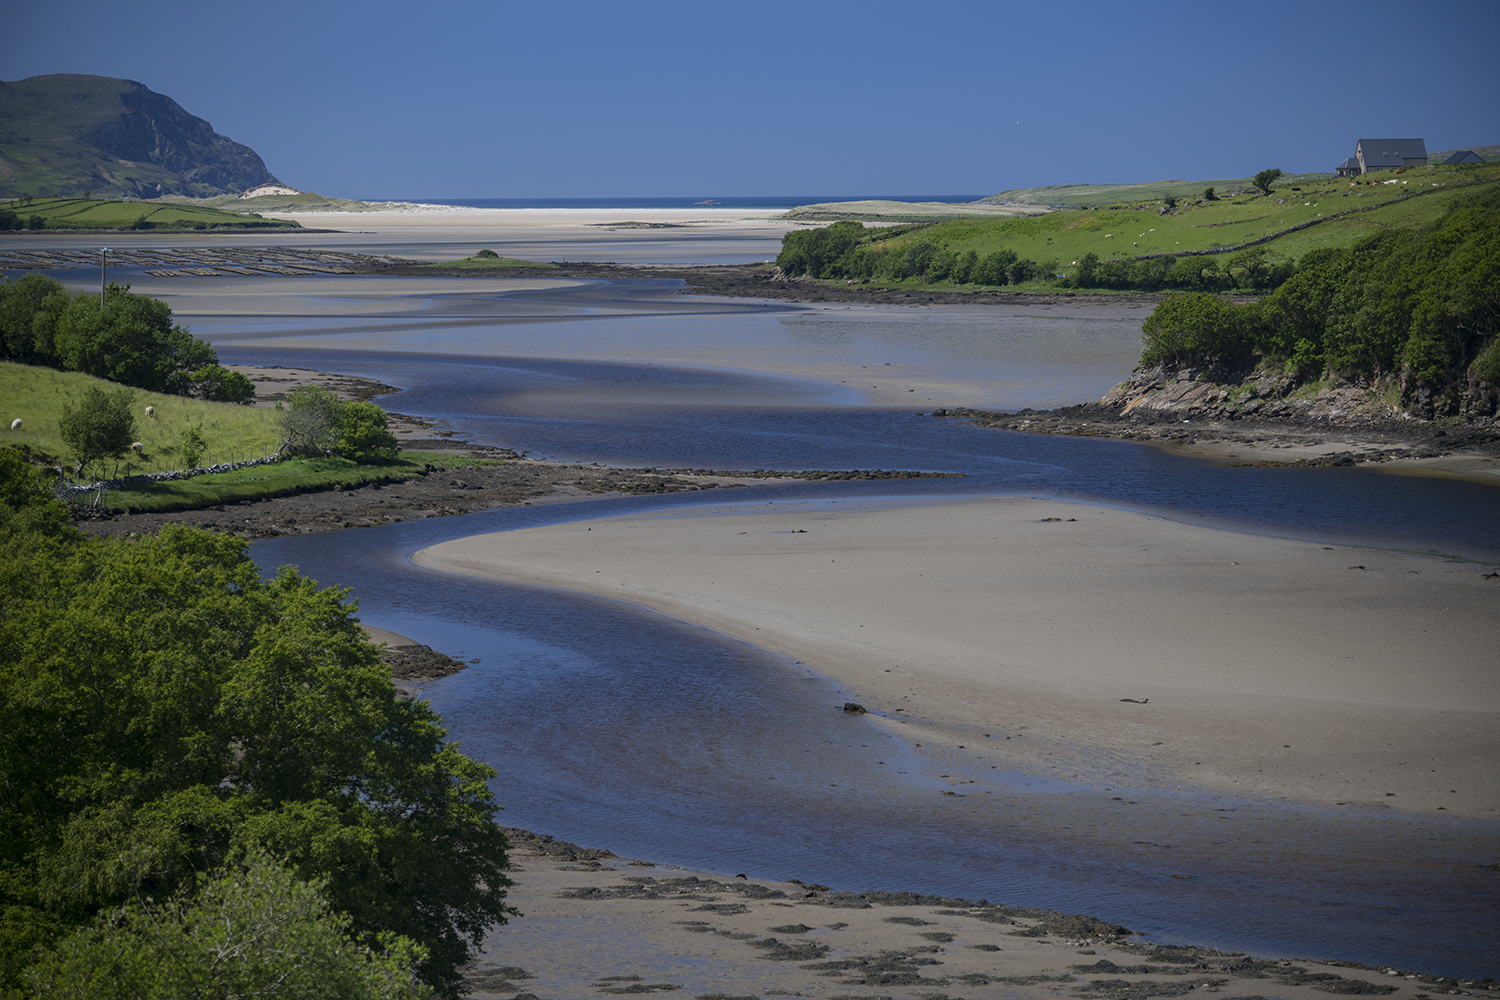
(693, 739)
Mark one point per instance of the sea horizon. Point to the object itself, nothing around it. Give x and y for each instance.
(685, 201)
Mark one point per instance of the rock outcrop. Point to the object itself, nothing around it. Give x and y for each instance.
(67, 135)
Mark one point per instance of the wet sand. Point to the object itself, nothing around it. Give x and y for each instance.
(1177, 656)
(595, 924)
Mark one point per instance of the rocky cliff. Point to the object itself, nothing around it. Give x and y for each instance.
(69, 135)
(1185, 394)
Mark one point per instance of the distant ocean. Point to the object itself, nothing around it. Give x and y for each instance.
(701, 201)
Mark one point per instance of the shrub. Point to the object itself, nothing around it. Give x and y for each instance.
(1194, 328)
(310, 421)
(363, 435)
(193, 445)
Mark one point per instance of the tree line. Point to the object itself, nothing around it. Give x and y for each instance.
(208, 785)
(127, 338)
(1423, 306)
(847, 250)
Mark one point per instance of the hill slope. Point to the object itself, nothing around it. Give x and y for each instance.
(69, 135)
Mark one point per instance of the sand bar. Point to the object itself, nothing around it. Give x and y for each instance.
(1252, 665)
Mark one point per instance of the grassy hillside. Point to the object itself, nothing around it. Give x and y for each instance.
(901, 211)
(1417, 197)
(83, 213)
(69, 134)
(1489, 153)
(37, 396)
(1099, 195)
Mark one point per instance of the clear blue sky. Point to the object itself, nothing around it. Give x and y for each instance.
(654, 97)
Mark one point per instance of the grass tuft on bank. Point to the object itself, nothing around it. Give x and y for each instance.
(488, 260)
(263, 482)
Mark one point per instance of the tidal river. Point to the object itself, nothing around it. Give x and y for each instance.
(616, 727)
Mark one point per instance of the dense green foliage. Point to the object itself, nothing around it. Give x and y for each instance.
(167, 716)
(1424, 305)
(315, 422)
(363, 435)
(255, 930)
(128, 338)
(102, 425)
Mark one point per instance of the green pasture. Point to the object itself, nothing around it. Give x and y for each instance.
(37, 396)
(1100, 195)
(1139, 229)
(298, 475)
(85, 213)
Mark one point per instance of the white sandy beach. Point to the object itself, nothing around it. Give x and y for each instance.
(1258, 666)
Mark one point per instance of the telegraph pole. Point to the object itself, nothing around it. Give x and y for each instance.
(103, 266)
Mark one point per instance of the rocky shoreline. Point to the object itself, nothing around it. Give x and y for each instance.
(1311, 426)
(793, 938)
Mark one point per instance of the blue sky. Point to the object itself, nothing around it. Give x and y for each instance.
(644, 98)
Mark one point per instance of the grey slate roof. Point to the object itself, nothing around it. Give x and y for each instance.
(1465, 156)
(1349, 164)
(1387, 154)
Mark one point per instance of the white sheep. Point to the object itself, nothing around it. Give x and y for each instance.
(137, 447)
(150, 411)
(15, 424)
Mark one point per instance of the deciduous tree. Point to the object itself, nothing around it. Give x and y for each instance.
(102, 425)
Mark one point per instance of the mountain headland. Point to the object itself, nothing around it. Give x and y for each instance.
(71, 134)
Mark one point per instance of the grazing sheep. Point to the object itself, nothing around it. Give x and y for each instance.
(136, 447)
(15, 424)
(150, 411)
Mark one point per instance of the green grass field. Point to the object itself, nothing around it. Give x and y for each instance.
(1138, 230)
(83, 213)
(1101, 195)
(37, 396)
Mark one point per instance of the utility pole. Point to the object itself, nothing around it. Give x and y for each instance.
(103, 266)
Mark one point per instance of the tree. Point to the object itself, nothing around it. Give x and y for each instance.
(310, 421)
(223, 385)
(1088, 270)
(1265, 179)
(363, 435)
(29, 308)
(131, 339)
(1208, 195)
(255, 930)
(101, 426)
(1195, 328)
(165, 713)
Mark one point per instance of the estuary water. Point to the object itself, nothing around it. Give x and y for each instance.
(617, 727)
